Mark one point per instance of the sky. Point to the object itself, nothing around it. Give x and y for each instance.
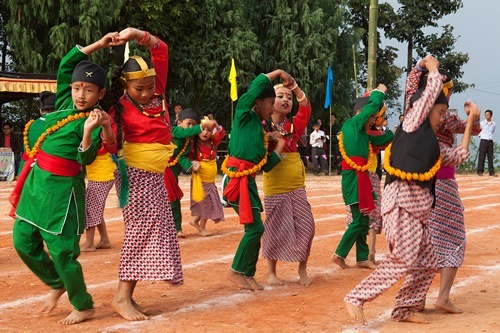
(477, 27)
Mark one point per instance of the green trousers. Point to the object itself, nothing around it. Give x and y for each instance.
(176, 212)
(355, 233)
(61, 269)
(247, 255)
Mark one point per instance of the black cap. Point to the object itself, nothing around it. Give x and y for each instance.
(358, 103)
(267, 92)
(186, 114)
(47, 100)
(88, 71)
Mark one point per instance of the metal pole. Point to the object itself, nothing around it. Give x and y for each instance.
(372, 44)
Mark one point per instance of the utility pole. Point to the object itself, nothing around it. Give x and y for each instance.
(372, 44)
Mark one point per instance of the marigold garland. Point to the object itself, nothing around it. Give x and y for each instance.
(36, 147)
(176, 159)
(351, 163)
(25, 136)
(409, 176)
(244, 173)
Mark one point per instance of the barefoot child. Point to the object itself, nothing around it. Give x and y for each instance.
(101, 177)
(248, 155)
(205, 200)
(181, 134)
(411, 163)
(357, 154)
(150, 250)
(51, 208)
(446, 221)
(375, 218)
(289, 226)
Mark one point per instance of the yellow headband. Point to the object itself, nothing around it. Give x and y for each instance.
(144, 72)
(379, 116)
(447, 88)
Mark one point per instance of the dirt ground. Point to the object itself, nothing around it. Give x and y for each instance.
(207, 302)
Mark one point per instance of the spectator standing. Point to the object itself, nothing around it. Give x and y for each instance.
(485, 145)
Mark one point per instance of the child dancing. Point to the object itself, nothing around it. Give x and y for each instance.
(248, 155)
(411, 163)
(205, 200)
(50, 193)
(289, 226)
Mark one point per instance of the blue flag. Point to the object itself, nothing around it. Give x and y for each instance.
(329, 84)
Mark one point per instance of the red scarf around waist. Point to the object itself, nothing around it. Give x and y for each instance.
(365, 189)
(53, 164)
(174, 191)
(238, 188)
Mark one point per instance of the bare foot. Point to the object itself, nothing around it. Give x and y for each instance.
(421, 307)
(204, 233)
(371, 257)
(180, 234)
(103, 245)
(52, 299)
(416, 318)
(87, 247)
(448, 306)
(195, 224)
(304, 279)
(339, 261)
(76, 317)
(238, 279)
(366, 264)
(273, 280)
(356, 313)
(254, 284)
(139, 308)
(128, 311)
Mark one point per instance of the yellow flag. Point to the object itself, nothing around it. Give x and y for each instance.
(232, 79)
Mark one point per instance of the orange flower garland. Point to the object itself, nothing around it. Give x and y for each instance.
(36, 147)
(174, 162)
(351, 163)
(25, 136)
(409, 176)
(244, 173)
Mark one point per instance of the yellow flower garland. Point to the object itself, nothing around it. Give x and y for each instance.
(25, 136)
(409, 176)
(244, 173)
(174, 162)
(351, 163)
(36, 147)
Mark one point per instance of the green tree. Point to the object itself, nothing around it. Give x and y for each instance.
(408, 25)
(303, 38)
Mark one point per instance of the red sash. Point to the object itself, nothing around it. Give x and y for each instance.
(365, 189)
(174, 191)
(238, 188)
(53, 164)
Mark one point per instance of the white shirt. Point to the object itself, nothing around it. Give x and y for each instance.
(316, 135)
(487, 130)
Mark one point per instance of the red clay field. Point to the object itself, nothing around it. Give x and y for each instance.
(207, 302)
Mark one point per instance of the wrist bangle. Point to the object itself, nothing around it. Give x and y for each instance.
(295, 86)
(145, 39)
(303, 98)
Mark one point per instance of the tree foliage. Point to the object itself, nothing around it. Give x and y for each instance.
(302, 38)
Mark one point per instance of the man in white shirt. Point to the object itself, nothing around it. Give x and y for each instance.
(486, 144)
(317, 139)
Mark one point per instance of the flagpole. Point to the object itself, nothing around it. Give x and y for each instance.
(232, 107)
(330, 145)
